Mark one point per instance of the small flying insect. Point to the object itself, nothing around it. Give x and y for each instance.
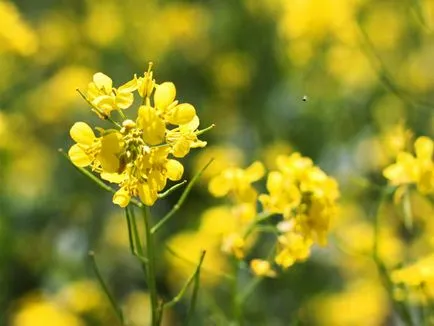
(304, 98)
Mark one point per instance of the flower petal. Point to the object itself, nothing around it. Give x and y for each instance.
(81, 133)
(78, 156)
(165, 94)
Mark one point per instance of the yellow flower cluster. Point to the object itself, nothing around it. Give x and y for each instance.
(410, 169)
(300, 192)
(136, 153)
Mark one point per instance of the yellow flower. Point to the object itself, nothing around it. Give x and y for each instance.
(237, 182)
(183, 138)
(417, 273)
(137, 154)
(418, 169)
(292, 247)
(303, 194)
(106, 98)
(234, 244)
(261, 267)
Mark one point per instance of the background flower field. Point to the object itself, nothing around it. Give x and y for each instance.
(348, 83)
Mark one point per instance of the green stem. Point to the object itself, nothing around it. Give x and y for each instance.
(194, 295)
(134, 237)
(200, 132)
(151, 278)
(400, 308)
(192, 278)
(259, 218)
(106, 117)
(181, 200)
(171, 189)
(236, 304)
(117, 310)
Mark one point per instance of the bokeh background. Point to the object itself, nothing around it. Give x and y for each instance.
(365, 68)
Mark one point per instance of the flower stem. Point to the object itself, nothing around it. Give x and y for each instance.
(102, 114)
(117, 310)
(181, 200)
(151, 278)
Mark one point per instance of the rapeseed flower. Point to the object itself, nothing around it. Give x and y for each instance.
(301, 193)
(415, 169)
(136, 154)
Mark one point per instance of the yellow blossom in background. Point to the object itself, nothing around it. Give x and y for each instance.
(82, 296)
(36, 311)
(303, 194)
(237, 182)
(224, 156)
(15, 33)
(362, 302)
(410, 169)
(416, 274)
(261, 267)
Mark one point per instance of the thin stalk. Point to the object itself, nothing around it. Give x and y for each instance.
(181, 200)
(200, 132)
(112, 301)
(171, 189)
(192, 277)
(236, 304)
(151, 278)
(259, 218)
(102, 114)
(195, 293)
(400, 308)
(134, 237)
(96, 180)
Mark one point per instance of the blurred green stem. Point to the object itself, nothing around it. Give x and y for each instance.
(236, 303)
(102, 114)
(115, 307)
(151, 277)
(399, 307)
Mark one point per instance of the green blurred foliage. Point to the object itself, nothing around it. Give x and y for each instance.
(364, 66)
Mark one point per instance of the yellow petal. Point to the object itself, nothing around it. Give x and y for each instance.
(147, 195)
(181, 148)
(153, 126)
(81, 133)
(110, 143)
(182, 114)
(424, 148)
(121, 197)
(78, 156)
(129, 87)
(113, 177)
(219, 186)
(262, 268)
(255, 171)
(174, 170)
(103, 81)
(124, 100)
(109, 162)
(274, 182)
(165, 94)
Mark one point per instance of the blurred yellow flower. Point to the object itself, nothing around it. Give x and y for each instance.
(35, 311)
(418, 169)
(15, 34)
(237, 182)
(261, 267)
(417, 273)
